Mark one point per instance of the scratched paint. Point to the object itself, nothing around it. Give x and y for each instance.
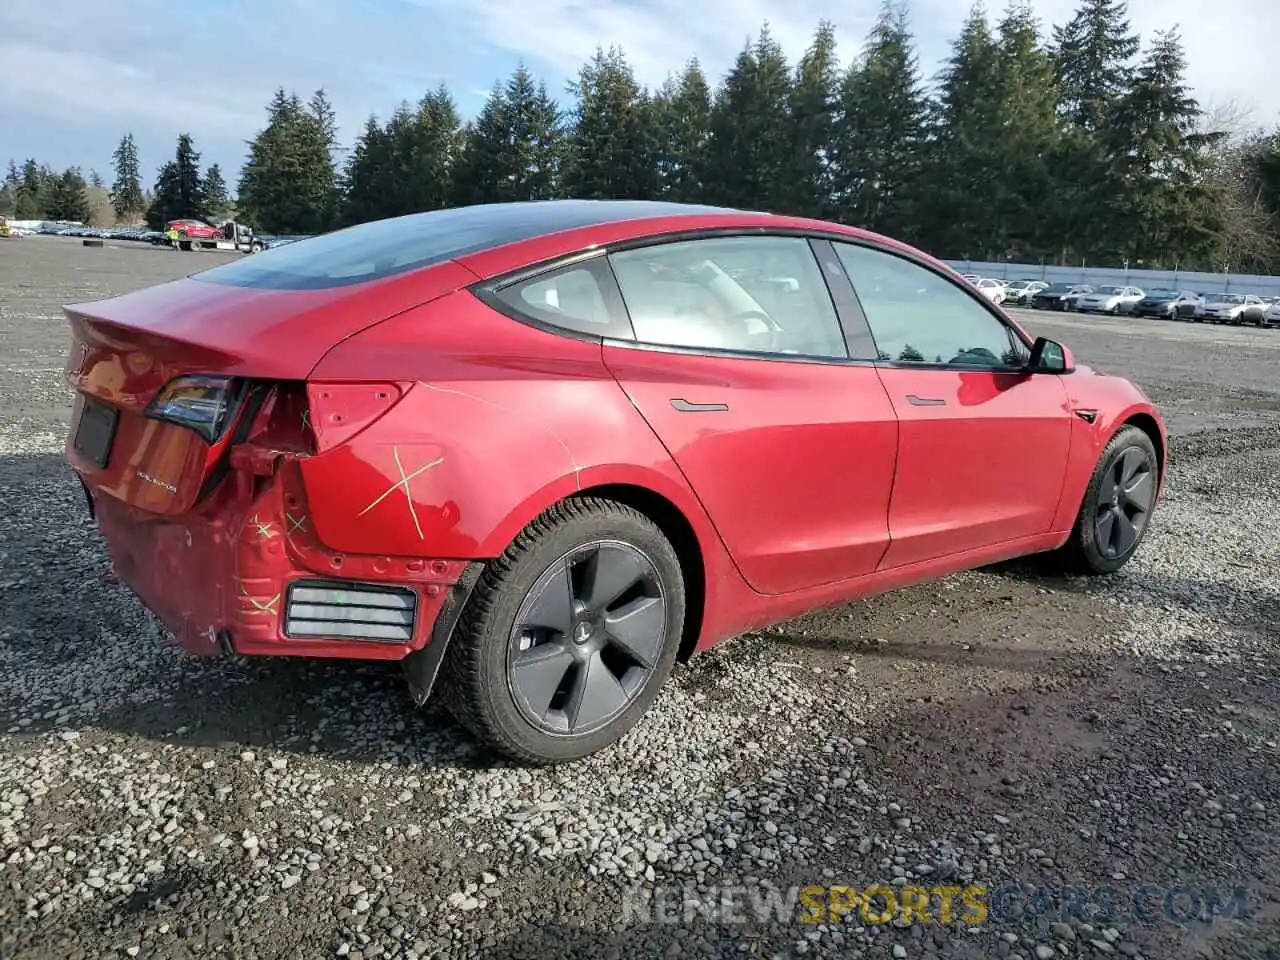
(403, 485)
(265, 529)
(259, 606)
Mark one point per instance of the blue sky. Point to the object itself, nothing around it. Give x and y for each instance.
(77, 74)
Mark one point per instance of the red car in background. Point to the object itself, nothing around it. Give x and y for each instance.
(193, 230)
(543, 450)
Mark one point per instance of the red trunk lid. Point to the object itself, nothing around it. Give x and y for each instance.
(124, 350)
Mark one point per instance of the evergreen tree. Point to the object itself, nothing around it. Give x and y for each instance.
(751, 149)
(407, 166)
(515, 148)
(67, 197)
(1093, 54)
(95, 180)
(1167, 198)
(126, 191)
(879, 131)
(9, 191)
(682, 117)
(427, 148)
(179, 193)
(324, 175)
(216, 203)
(613, 145)
(370, 176)
(33, 191)
(962, 219)
(1030, 137)
(288, 184)
(811, 115)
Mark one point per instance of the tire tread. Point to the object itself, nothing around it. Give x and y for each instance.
(1073, 557)
(463, 685)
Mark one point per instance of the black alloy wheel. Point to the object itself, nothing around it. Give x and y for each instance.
(587, 638)
(569, 635)
(1117, 507)
(1125, 497)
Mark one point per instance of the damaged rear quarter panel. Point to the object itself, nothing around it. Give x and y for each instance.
(499, 421)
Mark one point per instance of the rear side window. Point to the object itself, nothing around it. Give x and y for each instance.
(570, 298)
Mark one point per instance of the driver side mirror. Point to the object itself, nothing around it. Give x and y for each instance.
(1049, 356)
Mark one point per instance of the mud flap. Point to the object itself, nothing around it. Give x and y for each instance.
(422, 666)
(88, 498)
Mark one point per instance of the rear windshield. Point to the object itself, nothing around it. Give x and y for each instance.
(372, 251)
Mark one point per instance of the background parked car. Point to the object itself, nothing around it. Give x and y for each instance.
(1111, 300)
(1271, 316)
(1171, 304)
(1021, 291)
(993, 290)
(1231, 308)
(1059, 296)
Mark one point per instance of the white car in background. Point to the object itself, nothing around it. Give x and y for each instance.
(1231, 308)
(993, 290)
(1021, 291)
(1111, 300)
(1271, 316)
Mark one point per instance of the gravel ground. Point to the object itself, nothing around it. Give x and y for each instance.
(997, 728)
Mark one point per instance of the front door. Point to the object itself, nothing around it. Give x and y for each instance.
(983, 444)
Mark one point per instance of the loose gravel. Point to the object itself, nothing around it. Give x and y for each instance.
(999, 727)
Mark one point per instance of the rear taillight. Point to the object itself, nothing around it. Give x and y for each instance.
(200, 403)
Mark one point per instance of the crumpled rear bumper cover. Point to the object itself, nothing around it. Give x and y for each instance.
(219, 581)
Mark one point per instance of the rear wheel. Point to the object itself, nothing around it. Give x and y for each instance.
(569, 635)
(1117, 506)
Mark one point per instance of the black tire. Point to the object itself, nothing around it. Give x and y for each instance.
(1082, 553)
(476, 683)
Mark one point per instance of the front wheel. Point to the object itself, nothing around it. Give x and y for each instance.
(569, 635)
(1117, 506)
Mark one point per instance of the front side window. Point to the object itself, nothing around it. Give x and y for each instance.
(918, 316)
(745, 294)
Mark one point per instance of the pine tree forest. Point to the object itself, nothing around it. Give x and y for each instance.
(1070, 144)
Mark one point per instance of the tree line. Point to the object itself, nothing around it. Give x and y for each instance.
(1085, 146)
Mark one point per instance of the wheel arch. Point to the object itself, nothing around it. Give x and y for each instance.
(675, 526)
(1147, 424)
(669, 504)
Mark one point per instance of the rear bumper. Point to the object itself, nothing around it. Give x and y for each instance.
(220, 581)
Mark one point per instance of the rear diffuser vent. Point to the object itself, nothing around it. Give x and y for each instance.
(359, 611)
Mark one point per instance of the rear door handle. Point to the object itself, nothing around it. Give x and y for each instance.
(925, 401)
(684, 406)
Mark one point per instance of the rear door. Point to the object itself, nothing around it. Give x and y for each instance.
(982, 444)
(740, 366)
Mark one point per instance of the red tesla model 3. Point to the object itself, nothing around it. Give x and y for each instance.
(540, 451)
